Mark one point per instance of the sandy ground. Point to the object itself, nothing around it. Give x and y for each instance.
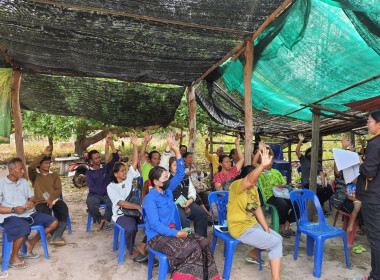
(90, 255)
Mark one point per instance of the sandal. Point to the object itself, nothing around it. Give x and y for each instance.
(256, 261)
(361, 247)
(140, 258)
(357, 249)
(29, 256)
(21, 265)
(285, 233)
(292, 232)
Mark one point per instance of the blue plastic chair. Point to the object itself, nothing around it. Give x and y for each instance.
(7, 246)
(89, 218)
(229, 242)
(163, 268)
(317, 232)
(118, 230)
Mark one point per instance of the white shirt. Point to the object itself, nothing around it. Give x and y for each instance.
(15, 194)
(117, 192)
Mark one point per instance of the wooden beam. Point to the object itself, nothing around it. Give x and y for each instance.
(314, 161)
(235, 50)
(16, 113)
(321, 108)
(248, 121)
(190, 95)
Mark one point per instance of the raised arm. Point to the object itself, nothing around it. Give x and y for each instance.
(107, 147)
(298, 148)
(36, 162)
(252, 178)
(147, 138)
(164, 162)
(207, 154)
(134, 141)
(240, 163)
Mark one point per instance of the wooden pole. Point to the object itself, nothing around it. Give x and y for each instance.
(290, 160)
(190, 95)
(315, 123)
(248, 122)
(211, 140)
(16, 113)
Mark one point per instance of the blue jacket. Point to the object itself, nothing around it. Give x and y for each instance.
(159, 208)
(98, 180)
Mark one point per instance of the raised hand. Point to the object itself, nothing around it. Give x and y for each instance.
(207, 141)
(170, 140)
(48, 150)
(177, 136)
(345, 141)
(266, 158)
(301, 137)
(147, 136)
(237, 141)
(262, 146)
(134, 139)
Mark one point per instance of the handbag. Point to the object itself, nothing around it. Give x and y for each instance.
(281, 192)
(131, 198)
(338, 197)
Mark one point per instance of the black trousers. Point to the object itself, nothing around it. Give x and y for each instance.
(93, 204)
(284, 209)
(371, 215)
(59, 208)
(198, 215)
(323, 193)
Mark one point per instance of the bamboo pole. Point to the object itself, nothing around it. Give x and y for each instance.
(16, 113)
(248, 121)
(190, 95)
(314, 161)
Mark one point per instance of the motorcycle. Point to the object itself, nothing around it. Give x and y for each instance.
(78, 170)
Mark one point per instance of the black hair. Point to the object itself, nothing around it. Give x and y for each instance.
(186, 154)
(45, 159)
(115, 169)
(221, 158)
(155, 173)
(92, 152)
(307, 151)
(375, 115)
(183, 146)
(244, 172)
(151, 154)
(232, 152)
(12, 162)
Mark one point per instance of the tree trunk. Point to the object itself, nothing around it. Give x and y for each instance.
(80, 145)
(82, 142)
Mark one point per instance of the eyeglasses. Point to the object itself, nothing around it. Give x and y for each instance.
(369, 121)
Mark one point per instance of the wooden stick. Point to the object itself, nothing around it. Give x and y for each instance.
(190, 96)
(16, 113)
(248, 121)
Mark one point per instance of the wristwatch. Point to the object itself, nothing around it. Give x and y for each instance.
(12, 210)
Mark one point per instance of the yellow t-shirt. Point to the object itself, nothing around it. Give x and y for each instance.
(241, 208)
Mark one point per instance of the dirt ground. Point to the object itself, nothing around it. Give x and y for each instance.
(90, 255)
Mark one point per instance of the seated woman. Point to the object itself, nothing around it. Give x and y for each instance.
(226, 173)
(118, 190)
(269, 179)
(189, 256)
(188, 209)
(246, 221)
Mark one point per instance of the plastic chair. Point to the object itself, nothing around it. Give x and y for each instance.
(118, 229)
(163, 268)
(220, 198)
(317, 232)
(277, 151)
(89, 218)
(347, 217)
(274, 213)
(7, 246)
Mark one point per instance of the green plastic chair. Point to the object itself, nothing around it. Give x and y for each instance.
(274, 214)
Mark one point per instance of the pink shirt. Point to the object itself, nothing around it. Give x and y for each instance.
(222, 177)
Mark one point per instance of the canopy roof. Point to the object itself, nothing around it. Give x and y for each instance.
(160, 41)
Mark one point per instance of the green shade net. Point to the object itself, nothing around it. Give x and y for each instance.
(109, 101)
(5, 104)
(312, 50)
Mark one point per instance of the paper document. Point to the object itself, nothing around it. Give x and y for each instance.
(348, 162)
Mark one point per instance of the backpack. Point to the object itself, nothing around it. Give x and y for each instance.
(338, 198)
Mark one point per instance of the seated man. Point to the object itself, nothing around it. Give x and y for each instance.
(213, 159)
(98, 178)
(47, 190)
(17, 215)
